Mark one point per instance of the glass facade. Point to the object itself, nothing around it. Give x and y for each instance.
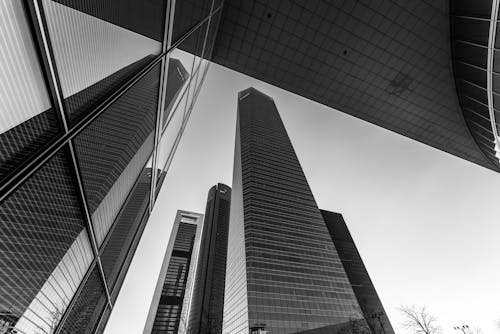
(171, 303)
(365, 292)
(207, 306)
(94, 98)
(290, 278)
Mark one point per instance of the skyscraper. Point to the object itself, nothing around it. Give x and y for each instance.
(361, 283)
(84, 87)
(208, 297)
(170, 307)
(283, 271)
(177, 76)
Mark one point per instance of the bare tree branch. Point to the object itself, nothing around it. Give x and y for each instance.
(419, 320)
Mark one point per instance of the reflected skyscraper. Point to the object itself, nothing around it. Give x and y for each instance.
(283, 271)
(85, 88)
(208, 297)
(172, 299)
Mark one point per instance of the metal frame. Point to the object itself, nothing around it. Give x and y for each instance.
(167, 41)
(489, 74)
(49, 66)
(160, 131)
(488, 71)
(35, 162)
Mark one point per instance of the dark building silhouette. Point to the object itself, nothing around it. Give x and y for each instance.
(283, 272)
(208, 296)
(170, 307)
(361, 283)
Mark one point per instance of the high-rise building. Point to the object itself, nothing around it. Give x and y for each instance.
(283, 274)
(170, 307)
(177, 77)
(361, 283)
(84, 89)
(208, 298)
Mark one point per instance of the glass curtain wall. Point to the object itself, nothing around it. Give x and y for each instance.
(94, 98)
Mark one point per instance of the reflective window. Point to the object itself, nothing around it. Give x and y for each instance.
(116, 249)
(27, 122)
(472, 74)
(470, 30)
(177, 79)
(471, 54)
(476, 92)
(212, 32)
(479, 8)
(179, 99)
(188, 13)
(88, 308)
(45, 249)
(100, 44)
(113, 150)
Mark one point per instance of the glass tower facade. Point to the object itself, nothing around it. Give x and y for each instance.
(361, 283)
(171, 305)
(208, 297)
(283, 271)
(94, 98)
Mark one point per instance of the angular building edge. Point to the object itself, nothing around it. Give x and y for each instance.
(366, 294)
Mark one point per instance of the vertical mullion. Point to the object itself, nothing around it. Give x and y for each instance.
(49, 66)
(202, 50)
(167, 40)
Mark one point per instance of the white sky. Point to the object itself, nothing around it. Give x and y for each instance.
(425, 222)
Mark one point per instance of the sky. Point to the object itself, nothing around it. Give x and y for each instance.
(426, 223)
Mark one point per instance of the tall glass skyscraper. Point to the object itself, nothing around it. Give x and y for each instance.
(208, 297)
(283, 271)
(94, 97)
(172, 299)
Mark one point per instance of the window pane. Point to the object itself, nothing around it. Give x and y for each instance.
(471, 54)
(85, 314)
(119, 248)
(195, 44)
(470, 73)
(175, 110)
(100, 44)
(177, 79)
(478, 8)
(212, 33)
(27, 122)
(44, 248)
(188, 13)
(169, 137)
(471, 30)
(113, 150)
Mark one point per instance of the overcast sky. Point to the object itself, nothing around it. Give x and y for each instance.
(426, 223)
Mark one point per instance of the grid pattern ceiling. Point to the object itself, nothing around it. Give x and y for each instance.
(386, 62)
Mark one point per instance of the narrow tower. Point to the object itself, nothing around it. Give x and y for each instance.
(208, 296)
